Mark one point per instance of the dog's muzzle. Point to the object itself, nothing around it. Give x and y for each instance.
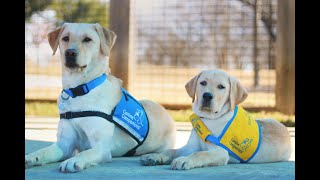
(71, 58)
(206, 100)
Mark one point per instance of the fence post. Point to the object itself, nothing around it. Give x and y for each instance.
(285, 62)
(121, 56)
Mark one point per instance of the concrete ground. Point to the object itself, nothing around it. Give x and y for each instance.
(40, 132)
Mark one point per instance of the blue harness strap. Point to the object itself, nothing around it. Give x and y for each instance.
(129, 115)
(85, 88)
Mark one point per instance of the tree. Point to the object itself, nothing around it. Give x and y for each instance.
(266, 12)
(93, 11)
(267, 16)
(176, 51)
(34, 6)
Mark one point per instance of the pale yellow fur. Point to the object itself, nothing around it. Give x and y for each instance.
(275, 145)
(97, 139)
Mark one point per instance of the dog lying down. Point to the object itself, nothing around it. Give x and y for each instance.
(223, 132)
(98, 118)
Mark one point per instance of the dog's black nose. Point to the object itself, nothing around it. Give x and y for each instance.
(71, 58)
(207, 96)
(71, 53)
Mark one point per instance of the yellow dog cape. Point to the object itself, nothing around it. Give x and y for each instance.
(241, 137)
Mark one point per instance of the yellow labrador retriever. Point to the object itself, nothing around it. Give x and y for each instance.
(84, 125)
(215, 96)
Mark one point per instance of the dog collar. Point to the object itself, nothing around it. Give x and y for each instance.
(242, 146)
(85, 88)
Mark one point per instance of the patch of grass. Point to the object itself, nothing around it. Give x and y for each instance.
(51, 109)
(159, 83)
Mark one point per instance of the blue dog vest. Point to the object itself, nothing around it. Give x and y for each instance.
(129, 115)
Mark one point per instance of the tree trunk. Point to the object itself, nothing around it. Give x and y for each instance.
(271, 64)
(285, 57)
(255, 48)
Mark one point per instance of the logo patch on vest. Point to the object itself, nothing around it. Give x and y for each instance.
(135, 120)
(240, 147)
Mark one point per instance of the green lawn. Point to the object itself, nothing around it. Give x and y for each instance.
(51, 109)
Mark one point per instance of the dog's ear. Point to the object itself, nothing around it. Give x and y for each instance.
(237, 92)
(191, 86)
(53, 38)
(107, 39)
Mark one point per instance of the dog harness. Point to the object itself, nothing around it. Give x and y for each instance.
(241, 137)
(129, 115)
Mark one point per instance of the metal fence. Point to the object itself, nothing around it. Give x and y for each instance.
(176, 39)
(173, 41)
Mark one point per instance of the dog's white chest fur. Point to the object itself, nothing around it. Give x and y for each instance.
(89, 130)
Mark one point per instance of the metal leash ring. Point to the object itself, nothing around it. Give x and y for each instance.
(63, 97)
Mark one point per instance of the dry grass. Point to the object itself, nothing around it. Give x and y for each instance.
(163, 84)
(51, 109)
(288, 120)
(53, 68)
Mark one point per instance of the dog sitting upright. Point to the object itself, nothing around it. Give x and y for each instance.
(223, 132)
(95, 117)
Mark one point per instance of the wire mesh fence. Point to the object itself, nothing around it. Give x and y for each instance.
(173, 41)
(177, 39)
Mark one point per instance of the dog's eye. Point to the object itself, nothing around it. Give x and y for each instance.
(87, 39)
(220, 86)
(66, 39)
(203, 83)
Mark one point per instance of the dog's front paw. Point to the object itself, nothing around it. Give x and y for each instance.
(182, 163)
(153, 159)
(31, 160)
(72, 165)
